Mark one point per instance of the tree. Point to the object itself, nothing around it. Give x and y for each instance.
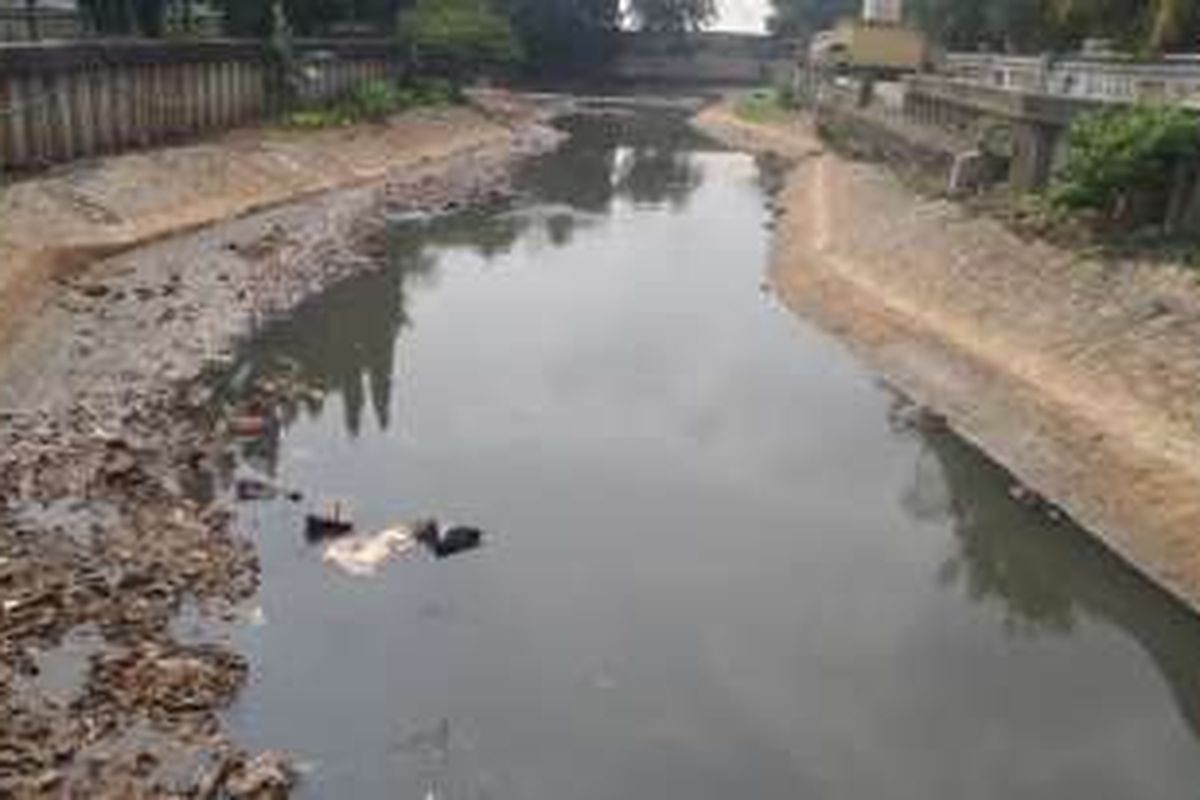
(564, 37)
(126, 17)
(672, 16)
(805, 17)
(31, 20)
(309, 17)
(1141, 26)
(458, 36)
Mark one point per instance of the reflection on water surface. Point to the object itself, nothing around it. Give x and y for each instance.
(716, 566)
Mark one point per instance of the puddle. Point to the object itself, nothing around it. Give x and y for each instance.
(60, 673)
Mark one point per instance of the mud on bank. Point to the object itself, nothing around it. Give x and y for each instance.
(115, 502)
(1081, 377)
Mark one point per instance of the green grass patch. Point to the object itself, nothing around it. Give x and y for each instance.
(764, 106)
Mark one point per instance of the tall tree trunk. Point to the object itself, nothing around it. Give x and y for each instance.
(1169, 21)
(31, 20)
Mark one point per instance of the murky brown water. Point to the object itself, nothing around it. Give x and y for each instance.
(718, 566)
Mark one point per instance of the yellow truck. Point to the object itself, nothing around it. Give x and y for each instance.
(869, 47)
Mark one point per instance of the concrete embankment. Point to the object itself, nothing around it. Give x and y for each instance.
(1081, 376)
(51, 225)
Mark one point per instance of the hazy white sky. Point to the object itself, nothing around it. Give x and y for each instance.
(742, 15)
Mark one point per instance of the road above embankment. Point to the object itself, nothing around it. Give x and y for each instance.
(1080, 376)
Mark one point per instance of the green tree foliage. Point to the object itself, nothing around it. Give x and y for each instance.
(803, 17)
(1006, 25)
(309, 17)
(1143, 25)
(559, 36)
(1022, 26)
(458, 36)
(1117, 152)
(672, 16)
(564, 36)
(123, 17)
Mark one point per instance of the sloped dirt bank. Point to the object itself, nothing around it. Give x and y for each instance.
(1082, 377)
(115, 459)
(51, 225)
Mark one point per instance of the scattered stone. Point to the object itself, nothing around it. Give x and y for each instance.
(269, 776)
(1022, 494)
(1036, 502)
(94, 290)
(251, 489)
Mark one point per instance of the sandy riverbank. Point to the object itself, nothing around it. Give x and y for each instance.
(1083, 378)
(115, 441)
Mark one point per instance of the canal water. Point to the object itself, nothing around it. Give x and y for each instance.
(721, 561)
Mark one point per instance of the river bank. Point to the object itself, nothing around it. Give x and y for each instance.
(1080, 376)
(115, 466)
(55, 223)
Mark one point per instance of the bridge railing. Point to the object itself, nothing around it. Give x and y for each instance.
(1172, 80)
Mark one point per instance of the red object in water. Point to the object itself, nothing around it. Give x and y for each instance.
(250, 427)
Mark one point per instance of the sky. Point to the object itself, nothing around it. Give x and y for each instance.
(742, 15)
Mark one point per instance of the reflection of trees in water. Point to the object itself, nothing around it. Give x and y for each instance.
(1047, 575)
(343, 341)
(652, 175)
(644, 158)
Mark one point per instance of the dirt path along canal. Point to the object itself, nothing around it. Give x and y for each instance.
(720, 558)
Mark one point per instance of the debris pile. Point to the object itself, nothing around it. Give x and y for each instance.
(117, 476)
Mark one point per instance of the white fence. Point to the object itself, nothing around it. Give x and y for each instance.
(1171, 80)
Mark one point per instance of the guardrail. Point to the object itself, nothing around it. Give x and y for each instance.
(67, 100)
(1173, 80)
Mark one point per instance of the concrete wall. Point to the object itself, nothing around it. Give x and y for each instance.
(62, 101)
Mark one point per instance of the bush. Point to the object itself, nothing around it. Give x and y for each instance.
(1117, 154)
(437, 92)
(376, 100)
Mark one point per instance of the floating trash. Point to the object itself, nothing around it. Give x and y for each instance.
(361, 556)
(328, 525)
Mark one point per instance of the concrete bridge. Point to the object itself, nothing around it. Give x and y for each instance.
(984, 126)
(730, 59)
(1026, 105)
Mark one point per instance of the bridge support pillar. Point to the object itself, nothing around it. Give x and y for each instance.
(1033, 156)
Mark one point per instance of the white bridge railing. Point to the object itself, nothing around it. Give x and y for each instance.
(1171, 80)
